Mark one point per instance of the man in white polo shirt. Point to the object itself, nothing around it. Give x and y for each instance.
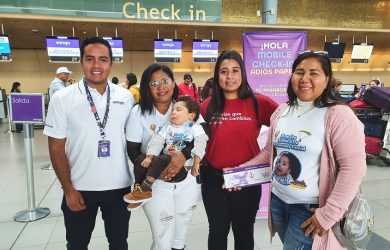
(86, 125)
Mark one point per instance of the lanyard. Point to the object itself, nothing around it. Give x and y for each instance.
(100, 124)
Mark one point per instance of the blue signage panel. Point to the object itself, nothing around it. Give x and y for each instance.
(167, 50)
(116, 44)
(5, 49)
(205, 50)
(63, 49)
(361, 52)
(27, 108)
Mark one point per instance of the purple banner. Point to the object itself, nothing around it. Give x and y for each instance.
(268, 58)
(62, 43)
(167, 45)
(27, 108)
(205, 45)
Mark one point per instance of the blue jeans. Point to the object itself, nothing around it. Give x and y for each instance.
(287, 220)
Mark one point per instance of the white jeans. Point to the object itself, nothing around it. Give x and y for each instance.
(170, 212)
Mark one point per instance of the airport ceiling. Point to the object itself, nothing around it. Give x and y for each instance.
(29, 31)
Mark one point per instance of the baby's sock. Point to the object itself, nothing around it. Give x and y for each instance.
(146, 185)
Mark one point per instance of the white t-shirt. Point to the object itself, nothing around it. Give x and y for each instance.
(299, 139)
(70, 117)
(175, 136)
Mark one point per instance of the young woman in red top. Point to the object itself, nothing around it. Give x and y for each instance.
(235, 115)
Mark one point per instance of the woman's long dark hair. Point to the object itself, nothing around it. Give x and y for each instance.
(15, 86)
(146, 100)
(206, 89)
(217, 103)
(327, 98)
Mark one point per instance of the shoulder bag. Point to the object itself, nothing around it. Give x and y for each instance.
(354, 229)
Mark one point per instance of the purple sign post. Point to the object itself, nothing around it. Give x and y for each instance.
(268, 59)
(28, 109)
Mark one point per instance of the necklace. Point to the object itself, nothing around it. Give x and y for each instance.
(303, 108)
(303, 112)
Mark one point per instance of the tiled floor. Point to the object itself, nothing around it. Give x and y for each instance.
(49, 232)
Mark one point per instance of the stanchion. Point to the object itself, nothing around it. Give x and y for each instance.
(9, 117)
(33, 213)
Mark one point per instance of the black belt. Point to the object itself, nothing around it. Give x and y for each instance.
(213, 170)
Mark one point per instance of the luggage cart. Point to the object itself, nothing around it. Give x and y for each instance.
(377, 147)
(385, 152)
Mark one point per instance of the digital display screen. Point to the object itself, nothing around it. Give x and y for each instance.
(351, 88)
(361, 53)
(205, 50)
(167, 50)
(63, 49)
(116, 44)
(335, 51)
(5, 49)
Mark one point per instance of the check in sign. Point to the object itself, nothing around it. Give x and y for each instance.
(27, 108)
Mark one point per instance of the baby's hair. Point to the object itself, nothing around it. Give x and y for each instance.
(191, 105)
(294, 164)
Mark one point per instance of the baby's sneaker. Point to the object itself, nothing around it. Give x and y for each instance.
(137, 195)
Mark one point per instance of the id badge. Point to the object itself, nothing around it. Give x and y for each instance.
(104, 149)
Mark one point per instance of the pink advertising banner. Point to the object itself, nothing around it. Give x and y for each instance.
(268, 59)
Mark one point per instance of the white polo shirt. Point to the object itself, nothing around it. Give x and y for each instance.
(70, 117)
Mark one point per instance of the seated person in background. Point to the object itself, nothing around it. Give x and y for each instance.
(336, 83)
(171, 138)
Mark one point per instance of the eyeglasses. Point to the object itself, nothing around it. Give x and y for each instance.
(318, 52)
(155, 84)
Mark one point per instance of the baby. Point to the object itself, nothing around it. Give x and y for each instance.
(175, 135)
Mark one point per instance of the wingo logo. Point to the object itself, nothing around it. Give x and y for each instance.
(205, 45)
(21, 100)
(168, 45)
(62, 43)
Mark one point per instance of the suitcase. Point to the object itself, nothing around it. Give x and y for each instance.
(378, 97)
(373, 145)
(374, 127)
(367, 112)
(359, 104)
